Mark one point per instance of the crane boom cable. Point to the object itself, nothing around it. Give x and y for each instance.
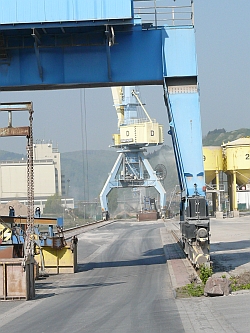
(84, 145)
(139, 101)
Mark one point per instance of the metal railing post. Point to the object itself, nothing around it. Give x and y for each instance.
(173, 15)
(155, 13)
(192, 12)
(159, 14)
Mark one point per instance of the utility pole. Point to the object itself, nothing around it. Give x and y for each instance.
(68, 181)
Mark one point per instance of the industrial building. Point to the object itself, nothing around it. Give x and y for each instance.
(48, 178)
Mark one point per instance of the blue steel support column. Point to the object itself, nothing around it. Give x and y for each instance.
(110, 183)
(153, 181)
(181, 95)
(182, 101)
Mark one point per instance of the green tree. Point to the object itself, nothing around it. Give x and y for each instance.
(53, 205)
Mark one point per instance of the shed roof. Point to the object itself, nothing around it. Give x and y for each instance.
(47, 11)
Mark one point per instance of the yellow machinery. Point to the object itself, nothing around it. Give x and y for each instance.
(56, 260)
(52, 252)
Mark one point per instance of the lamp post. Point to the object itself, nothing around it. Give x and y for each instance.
(96, 209)
(68, 180)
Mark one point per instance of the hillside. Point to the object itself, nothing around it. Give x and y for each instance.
(88, 171)
(8, 156)
(87, 178)
(218, 136)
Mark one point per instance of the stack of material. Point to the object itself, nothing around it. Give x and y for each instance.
(20, 209)
(147, 216)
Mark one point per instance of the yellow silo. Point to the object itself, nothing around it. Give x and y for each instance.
(237, 158)
(213, 162)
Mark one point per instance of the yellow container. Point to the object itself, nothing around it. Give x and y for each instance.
(57, 261)
(213, 162)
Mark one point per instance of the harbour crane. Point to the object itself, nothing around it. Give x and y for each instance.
(132, 169)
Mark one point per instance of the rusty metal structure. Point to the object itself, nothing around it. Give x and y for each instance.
(20, 237)
(28, 133)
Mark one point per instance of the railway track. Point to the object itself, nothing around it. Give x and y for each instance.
(71, 232)
(177, 238)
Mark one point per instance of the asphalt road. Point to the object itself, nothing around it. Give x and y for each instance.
(122, 285)
(230, 245)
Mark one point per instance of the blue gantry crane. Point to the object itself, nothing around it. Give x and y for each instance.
(73, 43)
(132, 169)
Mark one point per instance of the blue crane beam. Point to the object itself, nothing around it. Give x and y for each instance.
(83, 60)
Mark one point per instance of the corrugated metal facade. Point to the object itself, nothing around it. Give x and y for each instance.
(30, 11)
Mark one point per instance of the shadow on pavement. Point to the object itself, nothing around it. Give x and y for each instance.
(174, 251)
(39, 296)
(154, 252)
(137, 262)
(229, 261)
(225, 246)
(92, 285)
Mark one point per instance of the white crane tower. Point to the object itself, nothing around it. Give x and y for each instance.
(131, 168)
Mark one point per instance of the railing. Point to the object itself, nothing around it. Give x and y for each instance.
(157, 13)
(213, 187)
(138, 121)
(70, 232)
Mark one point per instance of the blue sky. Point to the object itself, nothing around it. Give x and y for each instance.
(223, 53)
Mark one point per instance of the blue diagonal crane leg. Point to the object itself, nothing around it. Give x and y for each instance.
(182, 101)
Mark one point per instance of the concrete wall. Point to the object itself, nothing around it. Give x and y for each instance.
(47, 174)
(13, 180)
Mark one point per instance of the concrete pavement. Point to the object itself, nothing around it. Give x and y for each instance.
(230, 253)
(180, 269)
(230, 245)
(229, 249)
